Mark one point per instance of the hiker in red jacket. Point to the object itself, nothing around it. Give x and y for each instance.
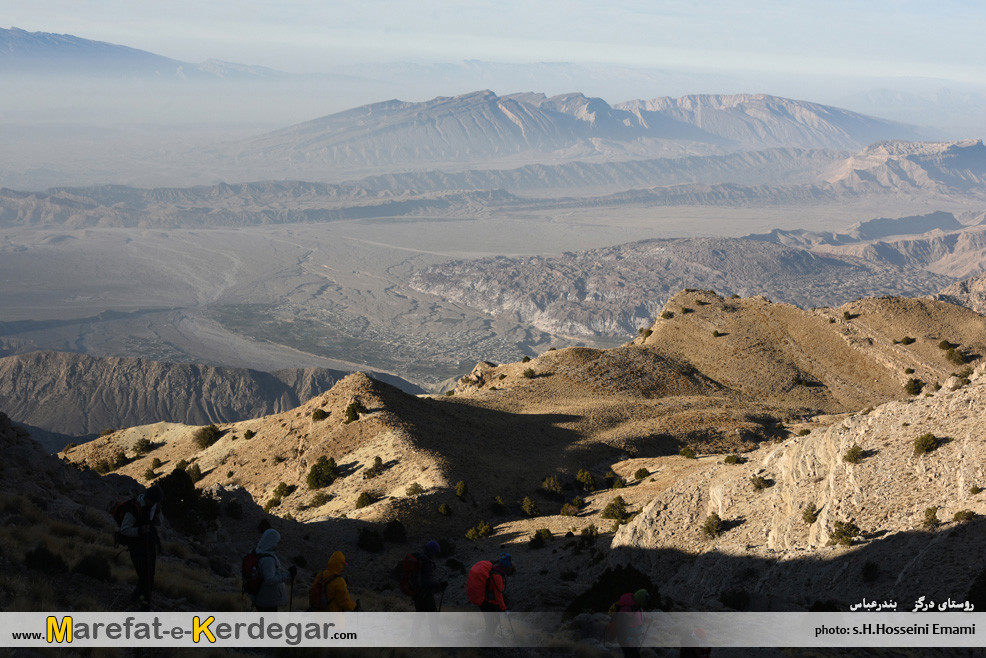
(489, 594)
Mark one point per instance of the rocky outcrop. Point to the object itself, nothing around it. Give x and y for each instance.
(970, 293)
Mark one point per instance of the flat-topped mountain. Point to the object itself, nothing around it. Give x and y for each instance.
(484, 127)
(616, 290)
(81, 395)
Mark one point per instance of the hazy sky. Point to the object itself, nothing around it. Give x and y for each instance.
(942, 39)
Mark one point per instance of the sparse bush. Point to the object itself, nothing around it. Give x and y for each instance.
(374, 470)
(461, 489)
(119, 460)
(568, 509)
(846, 315)
(685, 309)
(854, 455)
(283, 489)
(945, 345)
(640, 473)
(480, 530)
(502, 376)
(908, 371)
(414, 489)
(530, 507)
(589, 533)
(552, 485)
(804, 432)
(906, 340)
(975, 490)
(963, 515)
(667, 315)
(249, 434)
(194, 472)
(365, 499)
(353, 411)
(450, 392)
(955, 356)
(156, 463)
(616, 509)
(931, 518)
(734, 459)
(528, 373)
(95, 566)
(586, 479)
(809, 514)
(525, 359)
(913, 386)
(734, 296)
(206, 436)
(578, 502)
(539, 538)
(319, 499)
(322, 473)
(646, 332)
(181, 465)
(712, 526)
(715, 333)
(272, 503)
(149, 474)
(319, 414)
(142, 446)
(843, 533)
(831, 320)
(759, 482)
(618, 483)
(497, 505)
(444, 509)
(688, 453)
(107, 431)
(69, 446)
(925, 443)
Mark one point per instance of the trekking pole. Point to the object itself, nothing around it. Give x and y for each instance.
(511, 623)
(441, 600)
(291, 596)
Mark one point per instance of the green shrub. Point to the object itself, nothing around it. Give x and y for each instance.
(374, 470)
(945, 345)
(450, 392)
(913, 386)
(618, 483)
(230, 474)
(480, 530)
(181, 465)
(925, 443)
(667, 315)
(322, 473)
(843, 533)
(461, 489)
(353, 410)
(525, 359)
(194, 472)
(964, 515)
(578, 503)
(319, 499)
(688, 453)
(854, 455)
(906, 340)
(809, 514)
(589, 532)
(444, 509)
(712, 526)
(119, 460)
(156, 462)
(272, 503)
(149, 474)
(955, 356)
(365, 499)
(640, 473)
(846, 315)
(206, 436)
(586, 479)
(931, 518)
(497, 505)
(616, 509)
(319, 414)
(528, 373)
(568, 509)
(249, 434)
(502, 376)
(908, 371)
(142, 447)
(414, 489)
(530, 507)
(69, 446)
(552, 485)
(645, 332)
(975, 490)
(283, 489)
(539, 538)
(715, 333)
(804, 432)
(734, 459)
(685, 309)
(759, 482)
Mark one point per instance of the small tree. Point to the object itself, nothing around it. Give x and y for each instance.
(149, 474)
(913, 386)
(931, 518)
(525, 359)
(809, 514)
(854, 455)
(963, 515)
(975, 489)
(945, 345)
(734, 459)
(414, 489)
(712, 526)
(444, 509)
(616, 509)
(925, 443)
(249, 434)
(461, 489)
(528, 373)
(539, 538)
(120, 459)
(365, 499)
(843, 533)
(552, 485)
(480, 530)
(206, 436)
(640, 473)
(156, 463)
(667, 315)
(759, 482)
(530, 507)
(497, 505)
(688, 453)
(586, 479)
(319, 414)
(142, 447)
(906, 340)
(322, 473)
(181, 465)
(194, 472)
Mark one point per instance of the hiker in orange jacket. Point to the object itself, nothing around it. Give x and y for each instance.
(335, 592)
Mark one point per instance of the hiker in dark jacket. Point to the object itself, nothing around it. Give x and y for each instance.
(139, 531)
(272, 593)
(424, 597)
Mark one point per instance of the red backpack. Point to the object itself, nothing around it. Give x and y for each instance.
(476, 585)
(253, 575)
(411, 574)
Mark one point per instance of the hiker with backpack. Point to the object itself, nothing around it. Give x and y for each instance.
(418, 581)
(329, 592)
(138, 519)
(485, 587)
(264, 579)
(629, 621)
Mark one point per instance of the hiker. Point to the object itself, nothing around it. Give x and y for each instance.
(420, 583)
(272, 593)
(629, 620)
(138, 532)
(485, 587)
(691, 645)
(329, 592)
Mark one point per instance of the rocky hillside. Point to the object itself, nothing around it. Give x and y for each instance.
(970, 293)
(616, 290)
(776, 548)
(944, 167)
(81, 395)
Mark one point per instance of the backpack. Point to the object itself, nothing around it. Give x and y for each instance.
(119, 512)
(253, 575)
(609, 633)
(477, 584)
(317, 598)
(410, 570)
